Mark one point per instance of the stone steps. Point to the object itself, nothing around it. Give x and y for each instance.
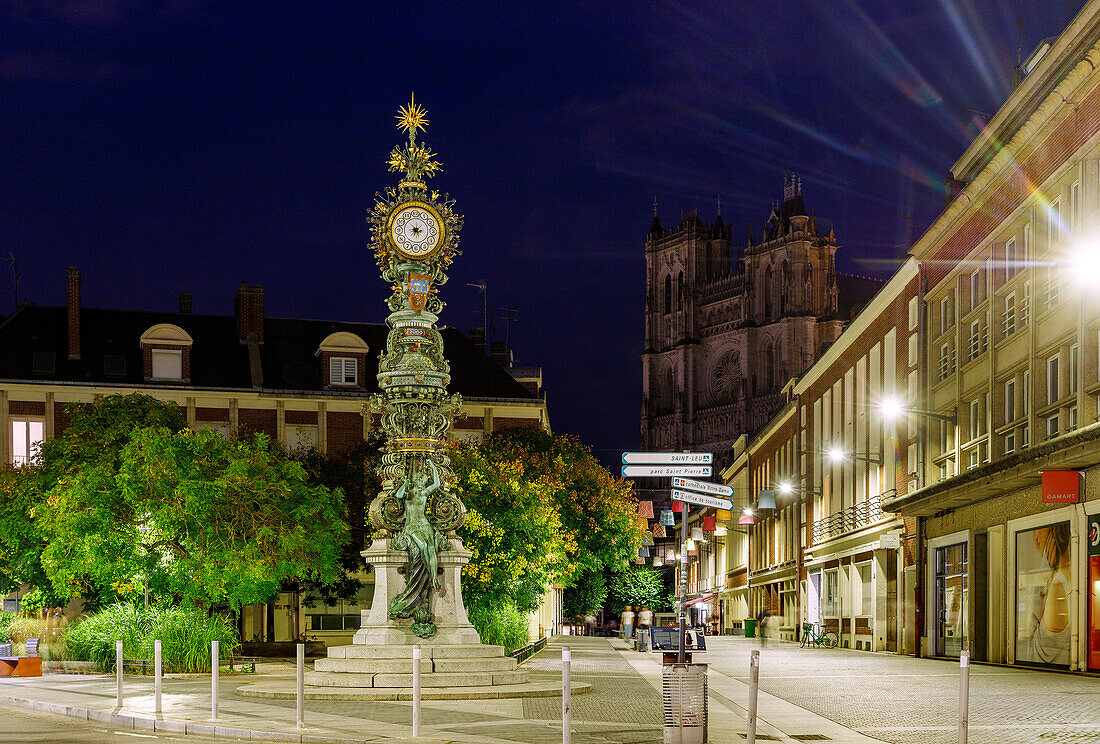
(469, 651)
(405, 666)
(430, 679)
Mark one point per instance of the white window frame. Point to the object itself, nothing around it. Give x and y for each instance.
(1009, 316)
(975, 288)
(1010, 442)
(1073, 359)
(1010, 401)
(1052, 379)
(1051, 426)
(164, 355)
(343, 371)
(1011, 268)
(33, 432)
(914, 313)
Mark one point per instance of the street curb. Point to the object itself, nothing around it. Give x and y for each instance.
(195, 729)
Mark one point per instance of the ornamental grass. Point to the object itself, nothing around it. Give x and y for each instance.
(185, 634)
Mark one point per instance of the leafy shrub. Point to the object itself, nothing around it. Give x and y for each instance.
(6, 619)
(185, 634)
(503, 625)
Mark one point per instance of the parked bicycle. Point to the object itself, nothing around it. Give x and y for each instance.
(812, 634)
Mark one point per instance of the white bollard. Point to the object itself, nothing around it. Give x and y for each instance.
(301, 685)
(964, 695)
(754, 686)
(158, 670)
(214, 649)
(118, 673)
(416, 690)
(566, 701)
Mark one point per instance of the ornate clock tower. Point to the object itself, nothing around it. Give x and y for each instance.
(416, 554)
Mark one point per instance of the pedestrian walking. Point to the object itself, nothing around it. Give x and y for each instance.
(645, 621)
(589, 624)
(628, 623)
(762, 619)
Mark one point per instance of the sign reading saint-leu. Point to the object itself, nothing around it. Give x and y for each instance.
(414, 235)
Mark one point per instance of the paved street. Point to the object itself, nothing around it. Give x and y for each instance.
(806, 695)
(903, 700)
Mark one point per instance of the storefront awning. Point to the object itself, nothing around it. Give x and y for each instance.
(701, 598)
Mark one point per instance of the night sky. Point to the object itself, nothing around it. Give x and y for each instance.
(183, 146)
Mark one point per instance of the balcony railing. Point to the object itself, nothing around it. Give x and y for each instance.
(850, 518)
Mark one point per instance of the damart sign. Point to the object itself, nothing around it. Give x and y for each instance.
(1062, 486)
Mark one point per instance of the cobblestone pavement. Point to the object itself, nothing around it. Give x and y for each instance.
(903, 700)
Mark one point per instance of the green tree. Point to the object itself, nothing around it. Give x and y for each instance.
(541, 509)
(130, 496)
(588, 595)
(640, 585)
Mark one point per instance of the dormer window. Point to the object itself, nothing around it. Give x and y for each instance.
(167, 365)
(166, 353)
(341, 371)
(343, 360)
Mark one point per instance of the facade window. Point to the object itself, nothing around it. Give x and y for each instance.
(1052, 426)
(680, 291)
(1025, 304)
(668, 294)
(26, 438)
(832, 595)
(1010, 401)
(342, 371)
(1011, 268)
(976, 428)
(1052, 287)
(1027, 393)
(913, 349)
(975, 288)
(1055, 225)
(1052, 379)
(1025, 437)
(912, 460)
(946, 362)
(43, 363)
(1010, 442)
(1009, 319)
(866, 594)
(167, 365)
(974, 458)
(1025, 246)
(914, 313)
(1074, 205)
(1072, 419)
(1073, 370)
(947, 312)
(977, 342)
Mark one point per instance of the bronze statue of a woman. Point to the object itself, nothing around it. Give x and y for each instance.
(422, 542)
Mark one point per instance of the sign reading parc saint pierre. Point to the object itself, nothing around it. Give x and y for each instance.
(666, 464)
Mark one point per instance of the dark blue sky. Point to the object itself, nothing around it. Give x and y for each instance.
(181, 145)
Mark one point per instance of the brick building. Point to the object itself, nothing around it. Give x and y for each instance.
(302, 382)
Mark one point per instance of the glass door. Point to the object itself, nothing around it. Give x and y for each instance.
(951, 600)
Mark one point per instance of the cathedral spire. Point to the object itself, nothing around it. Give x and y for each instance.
(655, 226)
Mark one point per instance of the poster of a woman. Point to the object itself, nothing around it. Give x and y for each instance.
(1043, 595)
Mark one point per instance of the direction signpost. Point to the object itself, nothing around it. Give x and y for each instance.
(702, 499)
(677, 465)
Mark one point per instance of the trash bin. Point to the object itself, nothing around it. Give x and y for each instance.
(750, 627)
(684, 688)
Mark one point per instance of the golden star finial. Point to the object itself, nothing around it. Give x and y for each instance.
(412, 117)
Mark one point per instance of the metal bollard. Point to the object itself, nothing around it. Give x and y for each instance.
(566, 701)
(964, 695)
(118, 673)
(301, 685)
(214, 648)
(416, 690)
(754, 686)
(158, 671)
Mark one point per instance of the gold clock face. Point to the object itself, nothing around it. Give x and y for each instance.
(416, 230)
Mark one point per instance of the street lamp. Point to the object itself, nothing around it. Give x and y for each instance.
(838, 454)
(787, 489)
(893, 409)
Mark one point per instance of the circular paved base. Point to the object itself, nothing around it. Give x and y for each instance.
(288, 691)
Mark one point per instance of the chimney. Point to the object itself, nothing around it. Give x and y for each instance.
(249, 309)
(185, 303)
(477, 336)
(499, 354)
(73, 275)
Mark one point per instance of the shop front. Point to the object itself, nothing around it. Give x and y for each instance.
(1011, 562)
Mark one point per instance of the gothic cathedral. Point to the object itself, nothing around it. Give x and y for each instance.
(724, 333)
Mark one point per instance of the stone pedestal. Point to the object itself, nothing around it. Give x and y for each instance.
(448, 613)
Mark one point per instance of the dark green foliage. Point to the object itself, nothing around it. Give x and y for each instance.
(640, 585)
(588, 595)
(502, 625)
(185, 634)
